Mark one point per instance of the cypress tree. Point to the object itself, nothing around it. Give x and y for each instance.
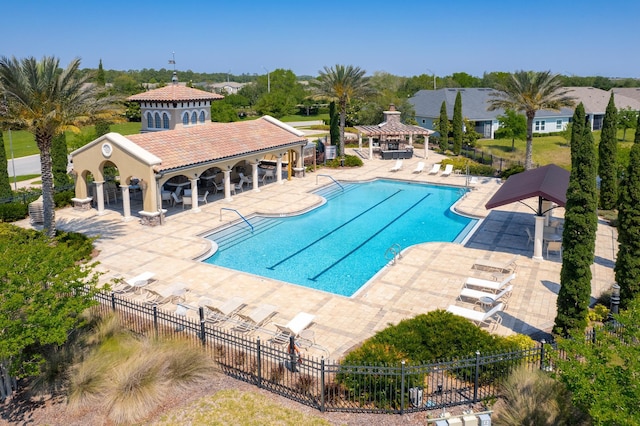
(627, 267)
(5, 184)
(457, 124)
(579, 235)
(334, 125)
(102, 128)
(100, 77)
(59, 161)
(443, 127)
(607, 155)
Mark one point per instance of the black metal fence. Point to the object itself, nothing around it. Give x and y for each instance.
(483, 157)
(327, 385)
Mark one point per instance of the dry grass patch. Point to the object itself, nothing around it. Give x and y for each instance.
(232, 407)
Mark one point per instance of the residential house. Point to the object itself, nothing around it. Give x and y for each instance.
(475, 103)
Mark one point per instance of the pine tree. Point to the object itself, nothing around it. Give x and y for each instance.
(59, 160)
(607, 155)
(579, 235)
(5, 184)
(457, 124)
(628, 261)
(443, 127)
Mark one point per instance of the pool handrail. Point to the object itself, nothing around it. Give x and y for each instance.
(238, 213)
(329, 176)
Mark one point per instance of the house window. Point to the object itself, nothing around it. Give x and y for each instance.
(202, 116)
(539, 125)
(558, 124)
(194, 118)
(424, 121)
(165, 120)
(149, 121)
(158, 123)
(185, 119)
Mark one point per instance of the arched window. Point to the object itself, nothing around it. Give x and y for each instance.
(165, 120)
(149, 120)
(202, 116)
(194, 118)
(185, 119)
(158, 123)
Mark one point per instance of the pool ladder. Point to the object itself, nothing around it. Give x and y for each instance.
(393, 253)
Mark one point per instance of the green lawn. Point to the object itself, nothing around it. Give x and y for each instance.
(287, 118)
(551, 149)
(24, 143)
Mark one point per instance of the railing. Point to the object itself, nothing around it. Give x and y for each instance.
(395, 251)
(335, 181)
(329, 385)
(234, 210)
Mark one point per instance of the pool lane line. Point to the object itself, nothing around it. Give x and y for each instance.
(314, 278)
(275, 265)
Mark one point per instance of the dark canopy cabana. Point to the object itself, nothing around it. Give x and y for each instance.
(548, 183)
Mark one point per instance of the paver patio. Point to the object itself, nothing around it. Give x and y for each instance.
(427, 277)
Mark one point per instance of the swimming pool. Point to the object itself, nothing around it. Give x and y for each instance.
(342, 244)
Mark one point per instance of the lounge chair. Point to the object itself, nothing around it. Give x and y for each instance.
(203, 199)
(479, 317)
(219, 186)
(486, 298)
(225, 311)
(245, 179)
(268, 175)
(447, 170)
(397, 166)
(490, 265)
(257, 318)
(134, 283)
(488, 284)
(153, 297)
(435, 169)
(473, 180)
(419, 167)
(293, 328)
(176, 199)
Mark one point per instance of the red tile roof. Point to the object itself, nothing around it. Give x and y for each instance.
(174, 92)
(214, 141)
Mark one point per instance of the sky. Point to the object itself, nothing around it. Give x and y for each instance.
(405, 38)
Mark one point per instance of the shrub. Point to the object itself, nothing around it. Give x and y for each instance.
(599, 313)
(63, 198)
(81, 244)
(434, 336)
(532, 398)
(461, 163)
(349, 161)
(11, 212)
(511, 171)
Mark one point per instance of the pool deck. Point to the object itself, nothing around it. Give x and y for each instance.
(427, 277)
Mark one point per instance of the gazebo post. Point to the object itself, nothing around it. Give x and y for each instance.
(538, 242)
(370, 147)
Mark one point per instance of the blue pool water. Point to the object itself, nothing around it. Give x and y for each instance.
(342, 244)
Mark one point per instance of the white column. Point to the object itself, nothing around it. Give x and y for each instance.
(538, 241)
(254, 176)
(279, 170)
(370, 147)
(411, 139)
(126, 203)
(194, 195)
(426, 146)
(100, 197)
(227, 185)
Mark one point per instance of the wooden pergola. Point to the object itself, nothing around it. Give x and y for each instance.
(395, 137)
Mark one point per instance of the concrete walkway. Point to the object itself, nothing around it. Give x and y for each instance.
(428, 276)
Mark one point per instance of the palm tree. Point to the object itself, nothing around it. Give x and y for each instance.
(47, 101)
(342, 83)
(528, 92)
